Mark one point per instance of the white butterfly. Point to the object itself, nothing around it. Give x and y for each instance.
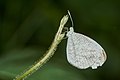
(84, 52)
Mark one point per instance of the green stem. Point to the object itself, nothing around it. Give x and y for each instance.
(58, 38)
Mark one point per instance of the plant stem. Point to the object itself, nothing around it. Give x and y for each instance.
(58, 38)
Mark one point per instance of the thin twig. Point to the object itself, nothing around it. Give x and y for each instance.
(58, 38)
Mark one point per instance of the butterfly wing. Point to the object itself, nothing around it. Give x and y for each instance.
(84, 52)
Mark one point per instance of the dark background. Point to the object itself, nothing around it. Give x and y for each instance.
(27, 28)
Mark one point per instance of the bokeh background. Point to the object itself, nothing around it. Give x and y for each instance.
(27, 28)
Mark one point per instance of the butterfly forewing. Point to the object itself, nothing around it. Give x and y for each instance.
(84, 52)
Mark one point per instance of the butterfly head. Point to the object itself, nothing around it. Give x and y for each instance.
(70, 32)
(71, 29)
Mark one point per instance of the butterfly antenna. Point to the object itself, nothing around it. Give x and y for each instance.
(70, 17)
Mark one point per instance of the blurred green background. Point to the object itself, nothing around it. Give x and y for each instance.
(27, 28)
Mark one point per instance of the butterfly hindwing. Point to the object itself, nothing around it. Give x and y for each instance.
(84, 52)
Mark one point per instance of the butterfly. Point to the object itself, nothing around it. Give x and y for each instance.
(84, 52)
